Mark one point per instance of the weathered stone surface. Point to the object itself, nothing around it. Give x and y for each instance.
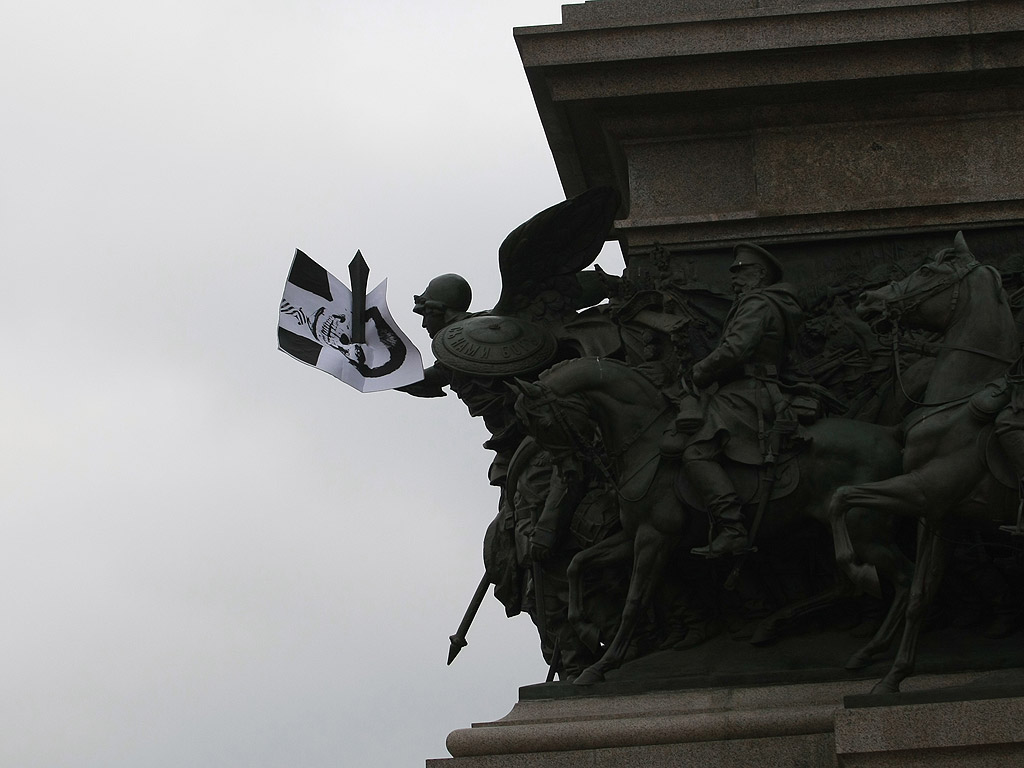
(785, 120)
(784, 752)
(928, 726)
(787, 725)
(854, 135)
(977, 724)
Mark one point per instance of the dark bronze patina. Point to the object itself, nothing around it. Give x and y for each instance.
(764, 420)
(493, 345)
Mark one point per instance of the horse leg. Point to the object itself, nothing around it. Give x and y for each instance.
(609, 551)
(650, 553)
(877, 546)
(946, 479)
(932, 556)
(900, 495)
(885, 633)
(768, 629)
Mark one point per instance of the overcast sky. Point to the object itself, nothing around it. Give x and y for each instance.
(210, 554)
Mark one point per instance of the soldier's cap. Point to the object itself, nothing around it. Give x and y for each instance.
(745, 254)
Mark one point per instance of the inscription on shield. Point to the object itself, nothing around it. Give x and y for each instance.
(492, 345)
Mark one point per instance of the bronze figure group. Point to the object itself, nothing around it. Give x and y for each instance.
(675, 463)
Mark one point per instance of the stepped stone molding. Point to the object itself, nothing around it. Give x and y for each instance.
(786, 121)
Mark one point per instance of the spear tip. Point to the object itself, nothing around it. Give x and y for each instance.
(457, 644)
(358, 262)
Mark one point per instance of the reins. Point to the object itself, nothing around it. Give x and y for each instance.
(891, 313)
(590, 451)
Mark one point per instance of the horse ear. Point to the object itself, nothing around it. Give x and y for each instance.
(519, 386)
(960, 245)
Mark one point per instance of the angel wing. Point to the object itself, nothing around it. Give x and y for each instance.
(539, 260)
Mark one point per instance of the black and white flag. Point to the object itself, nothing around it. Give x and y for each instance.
(315, 327)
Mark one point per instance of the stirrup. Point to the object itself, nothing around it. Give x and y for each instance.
(711, 554)
(707, 554)
(1016, 530)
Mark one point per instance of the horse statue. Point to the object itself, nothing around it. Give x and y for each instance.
(945, 475)
(631, 414)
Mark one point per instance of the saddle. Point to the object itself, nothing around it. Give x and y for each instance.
(993, 456)
(751, 481)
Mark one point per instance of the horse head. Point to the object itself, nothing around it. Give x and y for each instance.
(927, 297)
(560, 423)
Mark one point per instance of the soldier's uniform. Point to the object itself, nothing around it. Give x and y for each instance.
(759, 331)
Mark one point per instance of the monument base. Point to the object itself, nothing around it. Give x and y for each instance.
(961, 719)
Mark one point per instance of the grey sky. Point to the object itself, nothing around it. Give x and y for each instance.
(210, 554)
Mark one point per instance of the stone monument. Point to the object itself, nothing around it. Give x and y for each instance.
(758, 481)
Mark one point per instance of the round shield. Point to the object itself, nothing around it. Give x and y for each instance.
(493, 345)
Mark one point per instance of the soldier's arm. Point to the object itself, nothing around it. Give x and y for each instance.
(739, 341)
(564, 494)
(431, 385)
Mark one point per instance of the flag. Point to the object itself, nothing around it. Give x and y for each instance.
(315, 327)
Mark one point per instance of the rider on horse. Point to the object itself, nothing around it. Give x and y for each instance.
(745, 416)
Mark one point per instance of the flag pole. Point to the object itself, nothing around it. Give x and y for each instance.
(358, 272)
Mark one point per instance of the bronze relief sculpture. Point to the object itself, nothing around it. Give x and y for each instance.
(675, 462)
(949, 467)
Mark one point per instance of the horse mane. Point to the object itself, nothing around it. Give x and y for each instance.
(592, 374)
(961, 255)
(557, 370)
(996, 283)
(546, 373)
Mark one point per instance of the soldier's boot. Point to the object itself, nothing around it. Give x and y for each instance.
(1012, 442)
(1011, 439)
(673, 441)
(714, 487)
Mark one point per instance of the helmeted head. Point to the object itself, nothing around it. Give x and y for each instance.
(753, 267)
(442, 301)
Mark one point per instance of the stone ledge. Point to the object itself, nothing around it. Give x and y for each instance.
(634, 38)
(783, 752)
(601, 13)
(799, 118)
(641, 731)
(680, 717)
(930, 726)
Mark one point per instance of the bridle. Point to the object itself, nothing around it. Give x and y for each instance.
(588, 448)
(908, 301)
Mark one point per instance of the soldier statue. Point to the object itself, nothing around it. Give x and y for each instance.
(742, 411)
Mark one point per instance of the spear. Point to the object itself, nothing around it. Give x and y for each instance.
(458, 640)
(358, 271)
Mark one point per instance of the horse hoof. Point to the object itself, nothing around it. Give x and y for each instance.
(589, 676)
(764, 635)
(865, 577)
(884, 686)
(698, 634)
(867, 628)
(674, 638)
(858, 661)
(590, 637)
